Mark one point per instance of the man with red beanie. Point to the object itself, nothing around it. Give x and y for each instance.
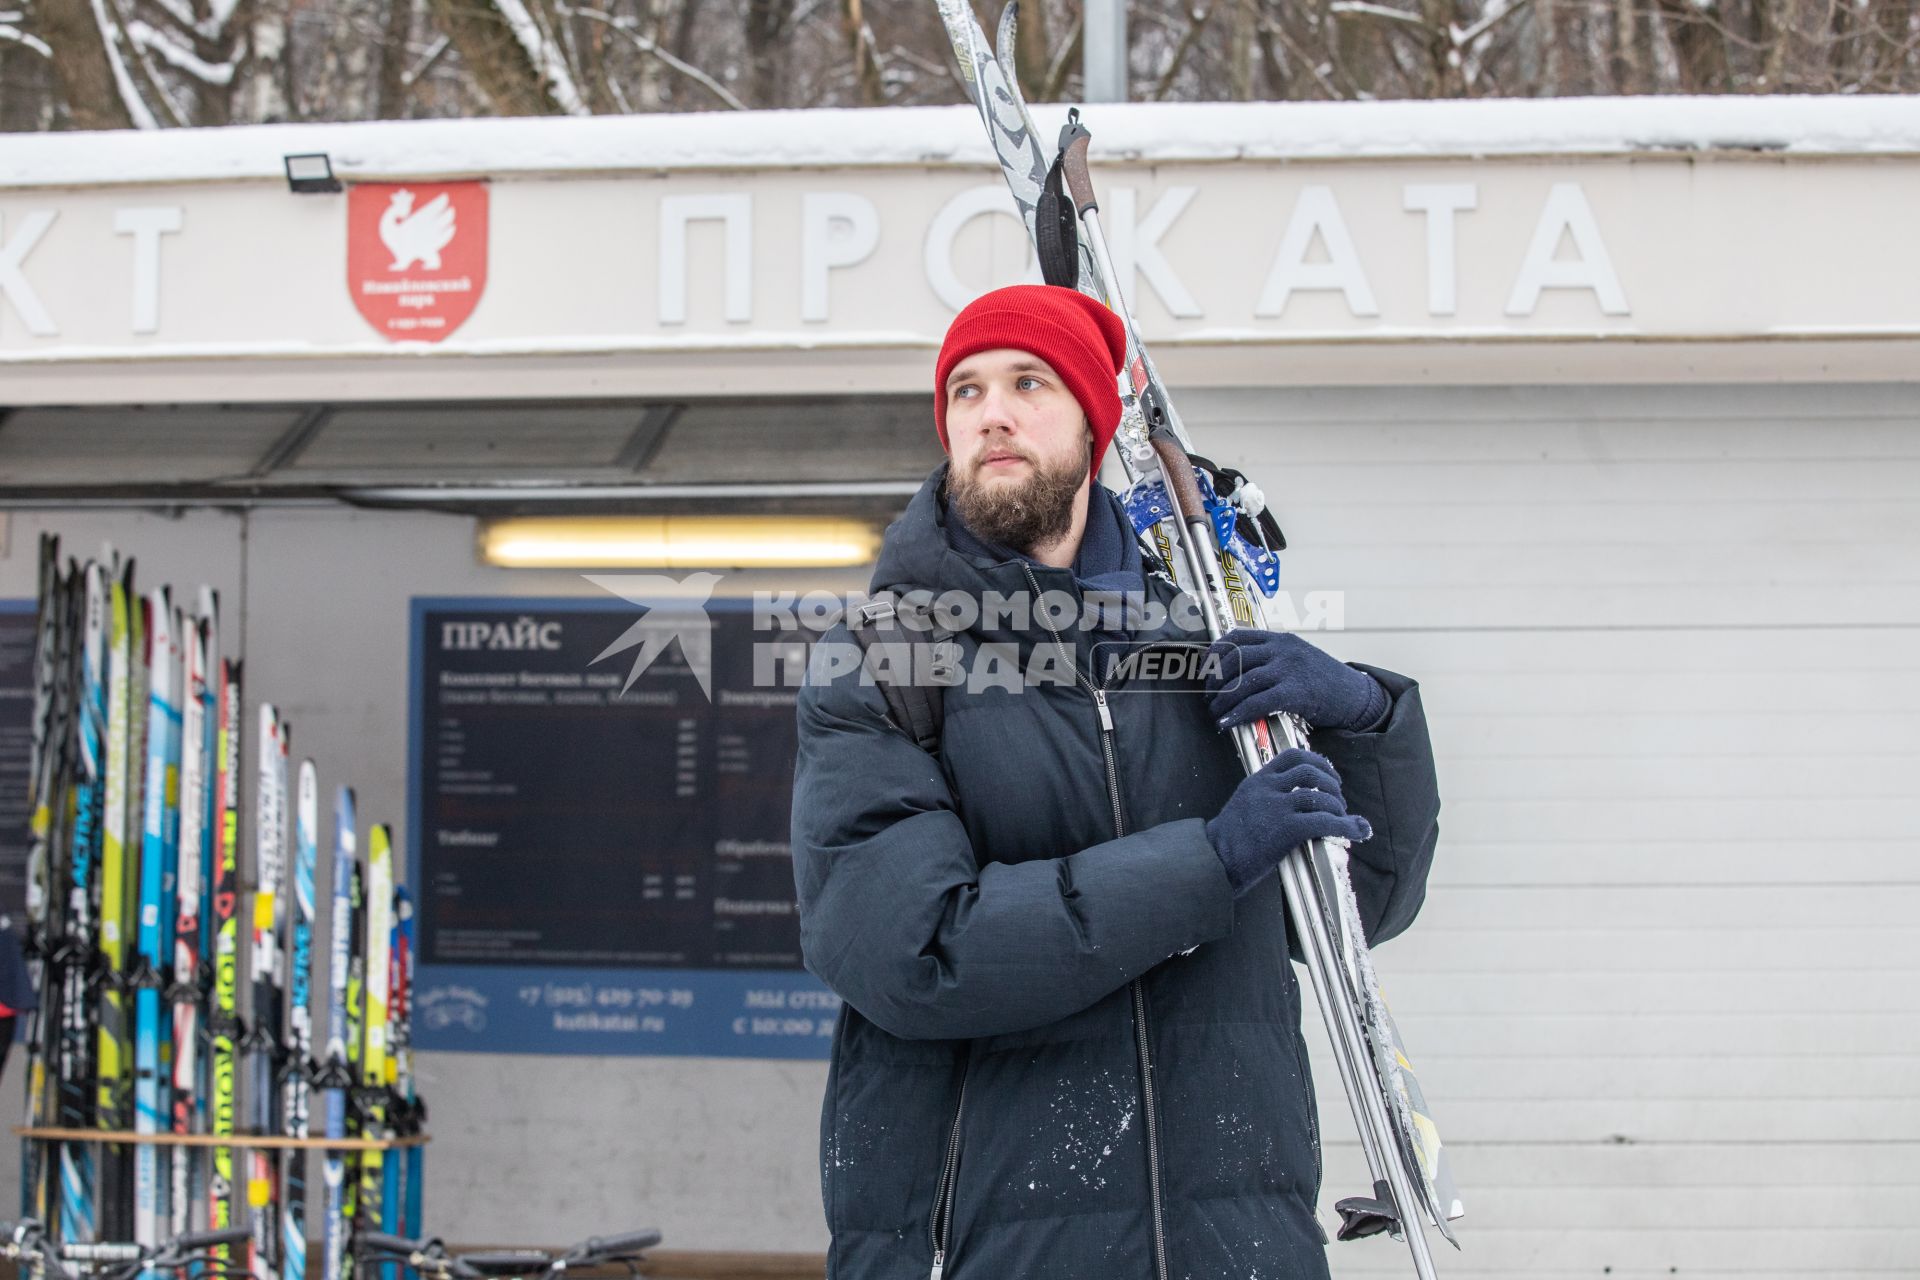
(1070, 1046)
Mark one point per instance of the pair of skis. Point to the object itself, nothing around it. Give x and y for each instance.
(199, 724)
(279, 1046)
(1214, 533)
(64, 780)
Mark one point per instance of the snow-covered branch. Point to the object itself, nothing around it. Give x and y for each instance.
(412, 74)
(178, 55)
(17, 36)
(1498, 11)
(136, 107)
(1361, 9)
(546, 59)
(219, 13)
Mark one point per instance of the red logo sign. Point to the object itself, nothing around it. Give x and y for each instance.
(416, 255)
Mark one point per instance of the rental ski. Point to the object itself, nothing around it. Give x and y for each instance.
(262, 1044)
(413, 1112)
(373, 1066)
(147, 980)
(297, 1073)
(113, 1051)
(223, 1021)
(335, 1079)
(45, 972)
(79, 1008)
(188, 992)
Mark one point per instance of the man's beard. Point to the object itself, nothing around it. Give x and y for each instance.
(1021, 514)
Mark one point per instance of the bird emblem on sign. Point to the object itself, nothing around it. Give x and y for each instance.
(416, 235)
(416, 255)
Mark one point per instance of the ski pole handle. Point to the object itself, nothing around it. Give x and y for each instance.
(1074, 140)
(1181, 486)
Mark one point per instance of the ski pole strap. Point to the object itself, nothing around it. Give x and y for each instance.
(1066, 194)
(904, 666)
(1056, 233)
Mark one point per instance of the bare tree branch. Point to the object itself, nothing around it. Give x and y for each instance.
(1195, 26)
(624, 26)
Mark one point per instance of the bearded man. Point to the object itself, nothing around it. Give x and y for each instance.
(1070, 1045)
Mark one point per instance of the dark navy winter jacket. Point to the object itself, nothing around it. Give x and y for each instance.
(1052, 1025)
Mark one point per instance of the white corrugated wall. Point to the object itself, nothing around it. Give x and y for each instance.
(1662, 994)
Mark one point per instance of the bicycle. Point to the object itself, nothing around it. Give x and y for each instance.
(432, 1260)
(28, 1244)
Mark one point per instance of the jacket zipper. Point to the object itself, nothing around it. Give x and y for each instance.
(943, 1194)
(1140, 1036)
(1142, 1042)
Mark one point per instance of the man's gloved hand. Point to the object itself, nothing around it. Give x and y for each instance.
(1294, 798)
(1262, 673)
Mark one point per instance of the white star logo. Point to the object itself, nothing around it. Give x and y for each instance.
(669, 616)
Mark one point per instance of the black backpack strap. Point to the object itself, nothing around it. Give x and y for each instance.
(914, 707)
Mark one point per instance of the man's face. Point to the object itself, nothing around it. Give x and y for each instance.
(1020, 448)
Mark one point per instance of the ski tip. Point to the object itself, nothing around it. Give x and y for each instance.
(1003, 43)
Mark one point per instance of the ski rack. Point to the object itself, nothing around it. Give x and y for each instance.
(92, 698)
(268, 1141)
(1056, 201)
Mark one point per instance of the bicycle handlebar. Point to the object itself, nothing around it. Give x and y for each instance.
(200, 1241)
(508, 1262)
(377, 1242)
(29, 1242)
(616, 1245)
(104, 1252)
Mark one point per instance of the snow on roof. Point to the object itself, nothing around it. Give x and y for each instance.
(943, 136)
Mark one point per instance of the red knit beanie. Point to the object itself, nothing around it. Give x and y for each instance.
(1084, 342)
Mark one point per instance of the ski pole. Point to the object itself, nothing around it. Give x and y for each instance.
(1164, 450)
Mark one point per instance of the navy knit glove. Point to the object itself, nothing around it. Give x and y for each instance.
(1262, 673)
(1294, 798)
